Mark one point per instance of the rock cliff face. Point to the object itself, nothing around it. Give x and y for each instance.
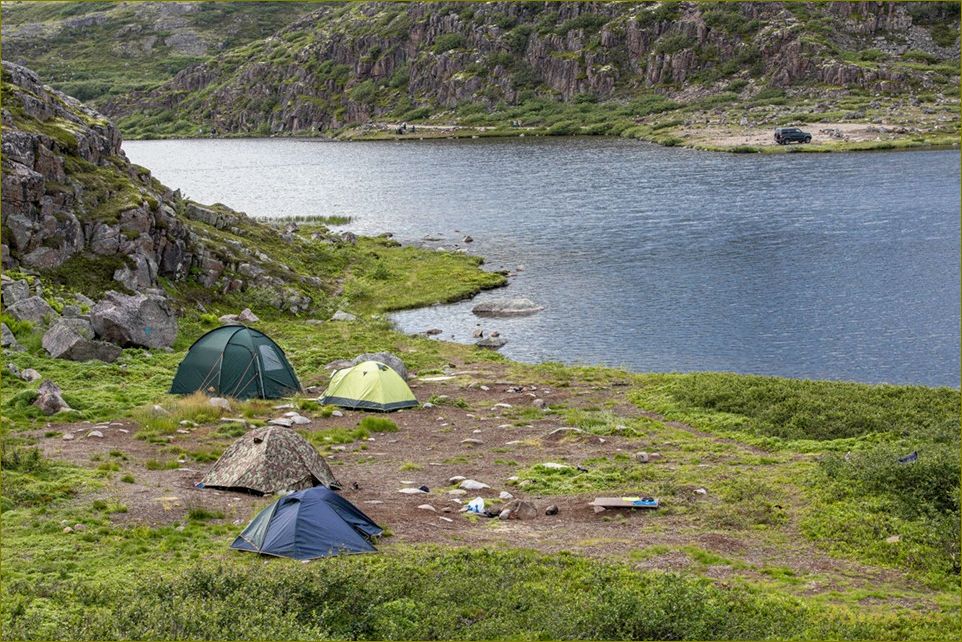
(74, 205)
(345, 65)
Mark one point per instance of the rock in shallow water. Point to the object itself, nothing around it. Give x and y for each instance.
(506, 308)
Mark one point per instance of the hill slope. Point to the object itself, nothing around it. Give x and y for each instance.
(117, 47)
(570, 68)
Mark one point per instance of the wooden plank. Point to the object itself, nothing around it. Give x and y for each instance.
(624, 502)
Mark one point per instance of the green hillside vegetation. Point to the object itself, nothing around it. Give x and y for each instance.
(120, 47)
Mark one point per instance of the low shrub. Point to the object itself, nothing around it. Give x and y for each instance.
(377, 424)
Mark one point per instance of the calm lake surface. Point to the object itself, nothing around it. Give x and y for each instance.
(836, 266)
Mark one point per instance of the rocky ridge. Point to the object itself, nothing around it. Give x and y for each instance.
(343, 66)
(75, 206)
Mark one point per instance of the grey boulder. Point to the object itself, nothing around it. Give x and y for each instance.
(49, 399)
(386, 358)
(341, 315)
(139, 320)
(73, 339)
(492, 343)
(32, 309)
(7, 340)
(14, 291)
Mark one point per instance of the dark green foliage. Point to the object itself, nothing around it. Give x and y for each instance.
(798, 409)
(447, 42)
(377, 424)
(586, 21)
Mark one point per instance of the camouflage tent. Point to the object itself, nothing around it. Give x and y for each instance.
(270, 460)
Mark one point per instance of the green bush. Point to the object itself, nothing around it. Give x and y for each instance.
(447, 42)
(800, 409)
(377, 424)
(564, 128)
(421, 595)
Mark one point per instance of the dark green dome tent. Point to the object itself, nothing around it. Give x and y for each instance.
(236, 361)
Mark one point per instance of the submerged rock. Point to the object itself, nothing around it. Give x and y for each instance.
(506, 308)
(492, 343)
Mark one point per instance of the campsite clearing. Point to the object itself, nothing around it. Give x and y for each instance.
(728, 534)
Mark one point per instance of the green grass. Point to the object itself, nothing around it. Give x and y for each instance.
(418, 594)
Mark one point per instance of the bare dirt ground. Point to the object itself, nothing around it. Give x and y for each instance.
(428, 450)
(822, 133)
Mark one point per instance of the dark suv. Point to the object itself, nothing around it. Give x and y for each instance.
(786, 135)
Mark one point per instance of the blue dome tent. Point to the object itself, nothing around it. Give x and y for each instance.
(311, 523)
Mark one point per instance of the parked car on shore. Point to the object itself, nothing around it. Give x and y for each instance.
(786, 135)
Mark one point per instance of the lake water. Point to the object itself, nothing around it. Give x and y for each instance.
(838, 266)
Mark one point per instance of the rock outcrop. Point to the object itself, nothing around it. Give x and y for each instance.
(73, 339)
(139, 320)
(73, 204)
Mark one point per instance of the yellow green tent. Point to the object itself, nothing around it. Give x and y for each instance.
(370, 385)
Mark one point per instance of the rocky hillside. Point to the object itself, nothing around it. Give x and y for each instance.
(76, 209)
(345, 65)
(121, 46)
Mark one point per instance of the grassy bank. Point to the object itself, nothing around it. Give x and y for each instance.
(775, 456)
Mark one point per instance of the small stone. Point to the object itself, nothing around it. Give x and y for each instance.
(484, 388)
(281, 421)
(520, 509)
(219, 402)
(374, 501)
(433, 331)
(456, 479)
(191, 424)
(96, 434)
(67, 529)
(337, 413)
(893, 539)
(551, 510)
(341, 315)
(68, 436)
(457, 491)
(447, 519)
(470, 484)
(505, 495)
(642, 457)
(446, 509)
(427, 404)
(428, 507)
(181, 431)
(539, 403)
(411, 491)
(471, 442)
(284, 406)
(502, 405)
(467, 239)
(123, 430)
(505, 514)
(80, 527)
(300, 420)
(598, 509)
(701, 491)
(554, 465)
